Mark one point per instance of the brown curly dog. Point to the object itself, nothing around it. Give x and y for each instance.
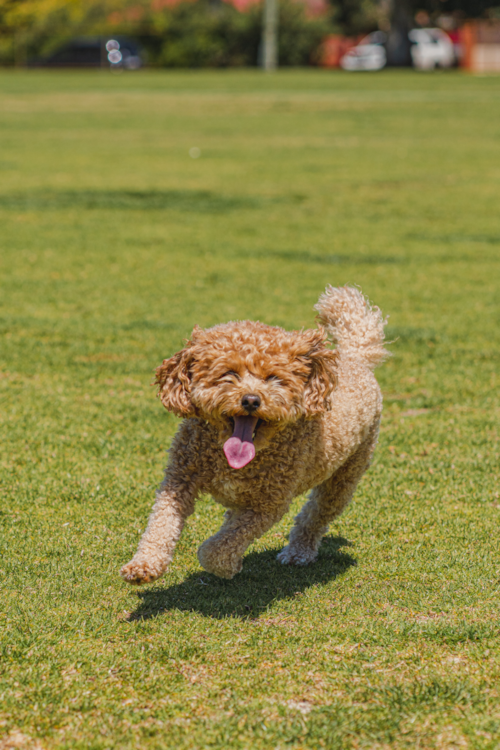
(268, 414)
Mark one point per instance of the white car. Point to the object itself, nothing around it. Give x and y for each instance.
(369, 54)
(431, 48)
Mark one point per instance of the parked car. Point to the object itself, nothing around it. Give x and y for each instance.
(369, 54)
(431, 48)
(94, 52)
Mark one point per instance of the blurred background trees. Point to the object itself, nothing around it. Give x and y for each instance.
(215, 33)
(31, 27)
(189, 33)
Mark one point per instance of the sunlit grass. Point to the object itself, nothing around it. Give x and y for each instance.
(114, 243)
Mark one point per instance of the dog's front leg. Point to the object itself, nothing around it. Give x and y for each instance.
(174, 503)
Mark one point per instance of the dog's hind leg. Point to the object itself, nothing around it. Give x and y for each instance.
(222, 554)
(326, 502)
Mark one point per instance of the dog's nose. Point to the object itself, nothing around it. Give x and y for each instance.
(250, 402)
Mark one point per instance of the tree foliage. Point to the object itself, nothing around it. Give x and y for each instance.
(196, 33)
(358, 16)
(191, 33)
(199, 34)
(37, 26)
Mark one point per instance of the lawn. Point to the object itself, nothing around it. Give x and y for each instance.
(114, 243)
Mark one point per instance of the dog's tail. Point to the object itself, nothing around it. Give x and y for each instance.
(355, 326)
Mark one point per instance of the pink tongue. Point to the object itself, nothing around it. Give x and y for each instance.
(239, 449)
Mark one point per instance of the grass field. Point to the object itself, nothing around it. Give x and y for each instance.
(114, 243)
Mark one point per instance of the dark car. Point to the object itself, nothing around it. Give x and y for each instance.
(94, 52)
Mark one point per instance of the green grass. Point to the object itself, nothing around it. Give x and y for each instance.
(114, 243)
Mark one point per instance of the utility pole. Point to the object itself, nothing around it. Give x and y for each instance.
(270, 35)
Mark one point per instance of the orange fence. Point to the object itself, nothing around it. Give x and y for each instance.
(481, 46)
(334, 48)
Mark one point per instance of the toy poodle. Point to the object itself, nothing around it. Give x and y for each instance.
(267, 414)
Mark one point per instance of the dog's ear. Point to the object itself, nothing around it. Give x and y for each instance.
(322, 379)
(174, 383)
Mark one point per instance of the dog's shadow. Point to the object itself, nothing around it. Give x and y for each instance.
(263, 580)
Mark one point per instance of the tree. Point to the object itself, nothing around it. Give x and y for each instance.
(361, 16)
(467, 8)
(34, 26)
(398, 44)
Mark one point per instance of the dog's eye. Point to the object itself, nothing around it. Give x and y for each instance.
(270, 378)
(230, 374)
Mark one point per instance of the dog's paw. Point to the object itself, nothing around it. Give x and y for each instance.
(140, 571)
(296, 555)
(223, 566)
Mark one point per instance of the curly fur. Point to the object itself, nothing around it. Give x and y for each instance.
(319, 416)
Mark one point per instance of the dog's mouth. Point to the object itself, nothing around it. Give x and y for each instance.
(239, 449)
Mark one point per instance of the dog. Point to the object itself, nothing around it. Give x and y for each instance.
(267, 415)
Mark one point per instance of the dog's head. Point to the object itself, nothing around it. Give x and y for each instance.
(249, 380)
